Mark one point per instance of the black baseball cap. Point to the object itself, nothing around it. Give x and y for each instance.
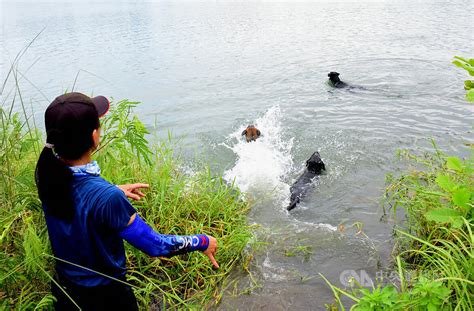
(73, 115)
(101, 103)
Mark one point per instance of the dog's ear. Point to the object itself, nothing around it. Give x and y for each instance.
(244, 132)
(258, 133)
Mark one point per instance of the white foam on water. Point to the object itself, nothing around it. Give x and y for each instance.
(272, 271)
(302, 226)
(261, 165)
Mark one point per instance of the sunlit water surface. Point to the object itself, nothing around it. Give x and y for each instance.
(204, 71)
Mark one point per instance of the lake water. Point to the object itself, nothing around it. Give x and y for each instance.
(205, 70)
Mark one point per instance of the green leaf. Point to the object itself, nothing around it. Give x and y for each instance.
(464, 60)
(457, 63)
(444, 182)
(442, 215)
(458, 222)
(468, 84)
(470, 95)
(464, 63)
(461, 198)
(454, 163)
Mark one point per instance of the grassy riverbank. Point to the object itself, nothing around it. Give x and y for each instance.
(434, 260)
(176, 203)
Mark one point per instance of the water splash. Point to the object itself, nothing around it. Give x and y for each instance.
(261, 165)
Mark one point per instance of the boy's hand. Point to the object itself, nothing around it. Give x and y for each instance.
(132, 190)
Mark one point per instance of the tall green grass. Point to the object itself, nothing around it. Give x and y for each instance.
(438, 199)
(176, 203)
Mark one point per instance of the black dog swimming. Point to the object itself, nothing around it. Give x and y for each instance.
(314, 167)
(334, 80)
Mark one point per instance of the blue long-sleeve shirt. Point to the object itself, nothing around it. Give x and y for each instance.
(92, 241)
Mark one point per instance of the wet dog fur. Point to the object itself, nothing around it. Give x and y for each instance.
(314, 167)
(251, 133)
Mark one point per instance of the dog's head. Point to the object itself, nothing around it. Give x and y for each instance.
(334, 76)
(251, 133)
(315, 164)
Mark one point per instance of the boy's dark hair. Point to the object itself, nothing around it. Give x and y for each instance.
(70, 120)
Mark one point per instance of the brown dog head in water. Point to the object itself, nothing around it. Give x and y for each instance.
(251, 133)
